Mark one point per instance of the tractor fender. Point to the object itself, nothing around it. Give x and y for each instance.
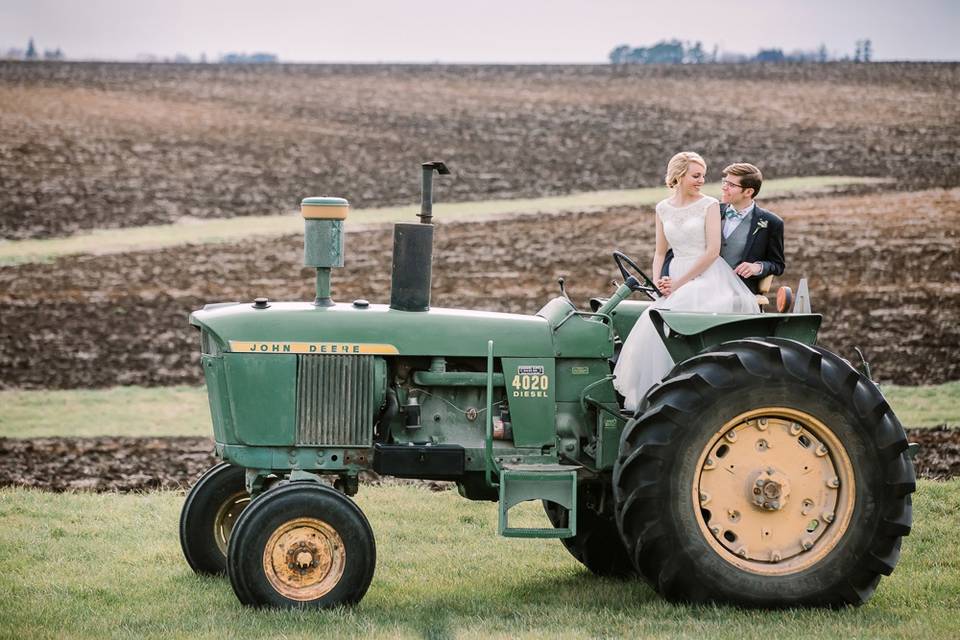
(686, 334)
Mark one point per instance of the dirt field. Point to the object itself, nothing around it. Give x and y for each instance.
(90, 145)
(883, 269)
(86, 146)
(142, 464)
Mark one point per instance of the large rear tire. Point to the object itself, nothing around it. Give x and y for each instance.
(597, 545)
(302, 545)
(208, 516)
(765, 473)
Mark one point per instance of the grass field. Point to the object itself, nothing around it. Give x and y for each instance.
(183, 411)
(107, 565)
(196, 231)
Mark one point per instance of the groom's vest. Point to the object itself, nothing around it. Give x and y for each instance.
(732, 248)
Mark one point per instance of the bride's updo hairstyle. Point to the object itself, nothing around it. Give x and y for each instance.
(678, 165)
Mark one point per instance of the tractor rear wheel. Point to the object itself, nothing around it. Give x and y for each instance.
(301, 545)
(208, 516)
(597, 545)
(765, 473)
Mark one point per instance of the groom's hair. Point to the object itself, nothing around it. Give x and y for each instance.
(750, 176)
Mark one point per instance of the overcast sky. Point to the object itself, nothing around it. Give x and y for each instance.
(525, 31)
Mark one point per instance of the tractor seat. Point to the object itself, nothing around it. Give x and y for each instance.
(763, 288)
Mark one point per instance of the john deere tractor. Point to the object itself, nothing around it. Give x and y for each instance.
(763, 470)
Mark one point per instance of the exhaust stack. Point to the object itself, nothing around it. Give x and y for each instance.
(323, 240)
(413, 250)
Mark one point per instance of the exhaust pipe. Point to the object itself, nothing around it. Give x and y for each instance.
(413, 250)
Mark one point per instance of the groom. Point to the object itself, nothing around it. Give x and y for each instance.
(751, 238)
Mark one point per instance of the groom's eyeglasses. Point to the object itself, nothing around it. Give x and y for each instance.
(730, 185)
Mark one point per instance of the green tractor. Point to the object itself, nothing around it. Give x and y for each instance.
(763, 471)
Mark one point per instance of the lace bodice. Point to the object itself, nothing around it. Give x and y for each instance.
(684, 227)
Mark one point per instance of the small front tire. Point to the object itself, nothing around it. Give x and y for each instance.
(302, 545)
(208, 516)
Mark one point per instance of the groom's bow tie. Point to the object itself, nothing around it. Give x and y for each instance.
(731, 213)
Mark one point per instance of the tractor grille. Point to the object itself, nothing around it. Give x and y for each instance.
(335, 400)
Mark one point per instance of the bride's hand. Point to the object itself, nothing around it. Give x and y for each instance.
(665, 286)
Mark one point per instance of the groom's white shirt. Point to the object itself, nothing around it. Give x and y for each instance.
(729, 224)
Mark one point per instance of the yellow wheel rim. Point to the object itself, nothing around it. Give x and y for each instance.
(226, 517)
(304, 559)
(774, 491)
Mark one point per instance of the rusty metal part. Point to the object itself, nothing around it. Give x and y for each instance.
(226, 517)
(304, 559)
(775, 491)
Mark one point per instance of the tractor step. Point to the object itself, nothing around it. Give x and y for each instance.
(553, 482)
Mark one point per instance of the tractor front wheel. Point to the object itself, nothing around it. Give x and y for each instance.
(208, 516)
(301, 545)
(764, 474)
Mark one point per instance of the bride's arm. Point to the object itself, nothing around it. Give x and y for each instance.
(660, 251)
(712, 227)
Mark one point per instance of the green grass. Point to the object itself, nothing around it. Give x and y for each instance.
(108, 565)
(120, 411)
(925, 406)
(194, 231)
(183, 411)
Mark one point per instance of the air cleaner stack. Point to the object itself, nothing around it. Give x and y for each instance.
(323, 240)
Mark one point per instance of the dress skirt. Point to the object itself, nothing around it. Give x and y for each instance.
(644, 359)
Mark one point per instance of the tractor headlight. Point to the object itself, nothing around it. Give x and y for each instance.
(208, 344)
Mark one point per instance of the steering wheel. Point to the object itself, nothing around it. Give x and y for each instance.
(643, 283)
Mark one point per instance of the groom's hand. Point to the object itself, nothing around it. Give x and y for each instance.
(748, 269)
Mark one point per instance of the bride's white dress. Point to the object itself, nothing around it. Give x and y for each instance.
(644, 359)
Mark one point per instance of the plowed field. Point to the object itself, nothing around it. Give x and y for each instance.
(87, 146)
(95, 145)
(142, 464)
(883, 269)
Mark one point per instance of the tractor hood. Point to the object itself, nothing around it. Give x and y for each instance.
(301, 327)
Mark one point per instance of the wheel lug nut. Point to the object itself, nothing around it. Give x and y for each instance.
(833, 483)
(806, 544)
(828, 517)
(731, 436)
(795, 429)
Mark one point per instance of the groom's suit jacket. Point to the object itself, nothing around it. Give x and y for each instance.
(764, 244)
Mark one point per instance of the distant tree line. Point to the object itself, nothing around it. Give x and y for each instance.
(677, 52)
(249, 58)
(31, 53)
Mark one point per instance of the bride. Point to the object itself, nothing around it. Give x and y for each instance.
(699, 279)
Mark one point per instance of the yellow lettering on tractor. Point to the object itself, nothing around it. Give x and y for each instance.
(527, 385)
(358, 348)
